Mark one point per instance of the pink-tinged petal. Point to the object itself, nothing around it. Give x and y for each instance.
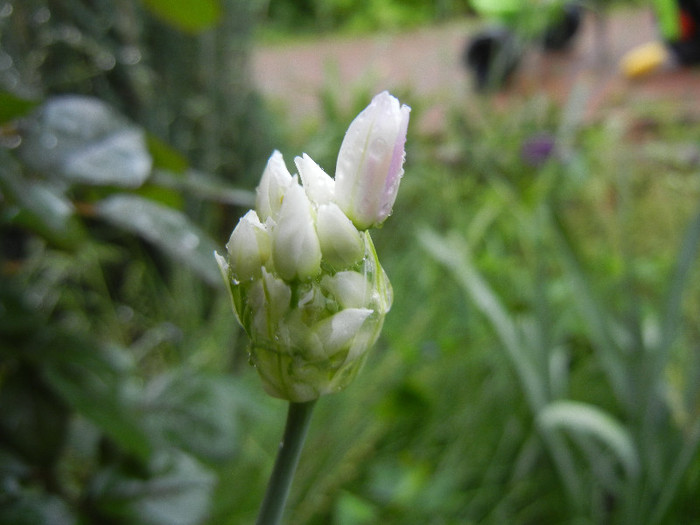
(370, 162)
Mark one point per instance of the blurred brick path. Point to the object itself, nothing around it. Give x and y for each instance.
(426, 62)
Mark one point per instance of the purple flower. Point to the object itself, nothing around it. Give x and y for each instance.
(537, 150)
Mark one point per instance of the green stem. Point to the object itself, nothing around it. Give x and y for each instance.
(298, 418)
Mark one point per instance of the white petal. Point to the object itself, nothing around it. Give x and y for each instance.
(350, 289)
(273, 185)
(248, 247)
(319, 186)
(370, 162)
(341, 243)
(296, 251)
(337, 331)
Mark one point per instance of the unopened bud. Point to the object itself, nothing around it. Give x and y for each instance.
(370, 162)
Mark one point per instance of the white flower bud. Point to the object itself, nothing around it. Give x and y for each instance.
(268, 300)
(319, 186)
(370, 162)
(336, 332)
(305, 284)
(350, 289)
(248, 247)
(296, 251)
(341, 243)
(273, 185)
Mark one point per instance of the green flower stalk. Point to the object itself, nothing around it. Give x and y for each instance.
(302, 271)
(304, 277)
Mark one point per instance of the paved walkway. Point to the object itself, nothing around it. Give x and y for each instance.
(426, 64)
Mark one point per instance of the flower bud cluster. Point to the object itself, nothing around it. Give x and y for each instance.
(302, 271)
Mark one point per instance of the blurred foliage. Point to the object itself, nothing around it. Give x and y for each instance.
(552, 250)
(283, 18)
(122, 127)
(190, 89)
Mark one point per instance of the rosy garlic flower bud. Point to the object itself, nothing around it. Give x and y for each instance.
(305, 284)
(370, 162)
(341, 243)
(296, 251)
(273, 185)
(248, 247)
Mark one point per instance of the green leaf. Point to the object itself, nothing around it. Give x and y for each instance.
(45, 202)
(34, 422)
(168, 229)
(584, 418)
(599, 320)
(164, 156)
(97, 384)
(32, 508)
(177, 491)
(83, 140)
(13, 107)
(186, 15)
(352, 510)
(686, 263)
(195, 412)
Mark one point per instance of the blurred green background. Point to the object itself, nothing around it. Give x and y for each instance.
(540, 363)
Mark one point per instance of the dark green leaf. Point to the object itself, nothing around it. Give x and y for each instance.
(166, 228)
(41, 199)
(32, 508)
(186, 15)
(83, 140)
(13, 107)
(194, 412)
(164, 156)
(94, 381)
(33, 419)
(176, 492)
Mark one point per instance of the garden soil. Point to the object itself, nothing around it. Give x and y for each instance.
(426, 64)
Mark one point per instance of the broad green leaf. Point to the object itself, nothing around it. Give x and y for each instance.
(34, 422)
(96, 383)
(168, 229)
(13, 107)
(176, 491)
(83, 140)
(194, 412)
(587, 419)
(30, 507)
(186, 15)
(42, 199)
(164, 156)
